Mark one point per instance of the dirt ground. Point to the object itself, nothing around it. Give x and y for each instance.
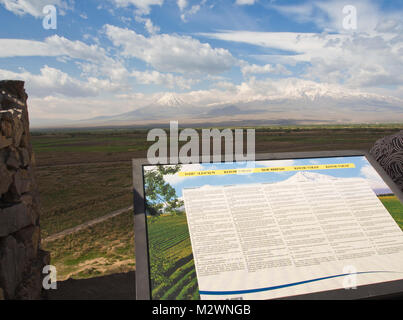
(113, 287)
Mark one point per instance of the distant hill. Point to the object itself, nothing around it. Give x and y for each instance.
(303, 103)
(299, 106)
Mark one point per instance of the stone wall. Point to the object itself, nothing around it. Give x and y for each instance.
(21, 258)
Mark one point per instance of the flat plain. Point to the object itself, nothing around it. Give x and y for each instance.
(86, 174)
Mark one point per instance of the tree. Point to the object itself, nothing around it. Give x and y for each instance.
(161, 196)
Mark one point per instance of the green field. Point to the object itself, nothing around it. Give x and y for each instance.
(395, 207)
(171, 259)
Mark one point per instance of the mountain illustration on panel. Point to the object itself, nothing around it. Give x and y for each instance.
(377, 185)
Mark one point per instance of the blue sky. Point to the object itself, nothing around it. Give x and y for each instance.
(113, 56)
(362, 169)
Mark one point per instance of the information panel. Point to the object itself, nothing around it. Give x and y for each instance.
(270, 229)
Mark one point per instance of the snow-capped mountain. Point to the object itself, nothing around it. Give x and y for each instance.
(171, 100)
(299, 104)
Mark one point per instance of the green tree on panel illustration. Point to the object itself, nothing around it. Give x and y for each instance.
(161, 197)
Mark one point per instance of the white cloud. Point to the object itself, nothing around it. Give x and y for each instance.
(24, 48)
(52, 81)
(164, 79)
(245, 2)
(224, 85)
(113, 70)
(143, 6)
(93, 59)
(75, 49)
(329, 15)
(358, 60)
(171, 53)
(148, 24)
(52, 47)
(193, 10)
(371, 56)
(182, 4)
(34, 7)
(250, 69)
(304, 45)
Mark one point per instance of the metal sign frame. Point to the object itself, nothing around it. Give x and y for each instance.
(143, 280)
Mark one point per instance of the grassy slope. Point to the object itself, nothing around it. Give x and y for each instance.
(395, 208)
(103, 249)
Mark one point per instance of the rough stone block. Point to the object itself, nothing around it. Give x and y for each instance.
(30, 237)
(14, 87)
(22, 182)
(5, 179)
(12, 125)
(7, 125)
(25, 157)
(25, 140)
(3, 155)
(13, 160)
(30, 288)
(18, 131)
(12, 264)
(14, 218)
(27, 199)
(5, 142)
(31, 285)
